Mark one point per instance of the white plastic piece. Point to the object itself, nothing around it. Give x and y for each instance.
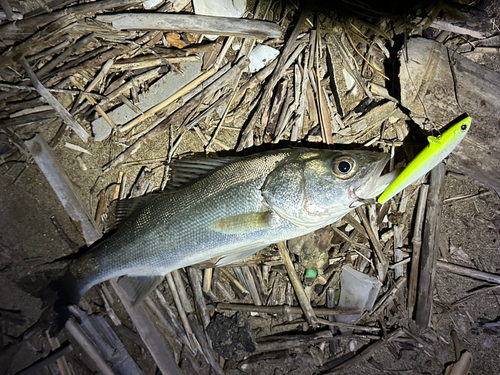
(357, 290)
(261, 56)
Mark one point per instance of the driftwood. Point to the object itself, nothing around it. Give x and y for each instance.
(88, 346)
(194, 23)
(430, 245)
(148, 332)
(63, 187)
(441, 85)
(58, 107)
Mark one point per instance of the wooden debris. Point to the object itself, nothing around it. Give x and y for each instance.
(284, 309)
(273, 80)
(77, 332)
(147, 331)
(63, 188)
(417, 244)
(469, 272)
(365, 354)
(430, 243)
(93, 63)
(194, 23)
(66, 116)
(297, 285)
(48, 359)
(107, 342)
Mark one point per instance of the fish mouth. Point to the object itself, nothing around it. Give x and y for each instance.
(375, 183)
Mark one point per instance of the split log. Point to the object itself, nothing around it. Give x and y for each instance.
(440, 85)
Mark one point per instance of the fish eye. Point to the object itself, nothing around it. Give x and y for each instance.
(463, 127)
(344, 167)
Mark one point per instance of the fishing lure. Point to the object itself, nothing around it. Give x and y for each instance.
(438, 149)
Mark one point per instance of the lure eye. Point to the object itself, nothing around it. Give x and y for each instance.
(344, 167)
(463, 127)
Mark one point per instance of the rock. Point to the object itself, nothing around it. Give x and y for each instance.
(261, 56)
(221, 8)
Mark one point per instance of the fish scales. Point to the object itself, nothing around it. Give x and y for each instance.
(172, 230)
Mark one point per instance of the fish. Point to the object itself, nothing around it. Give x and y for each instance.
(433, 154)
(228, 209)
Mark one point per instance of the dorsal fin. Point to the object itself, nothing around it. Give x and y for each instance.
(186, 171)
(125, 207)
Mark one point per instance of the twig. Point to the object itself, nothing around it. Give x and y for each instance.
(388, 297)
(64, 91)
(65, 115)
(475, 293)
(207, 351)
(207, 279)
(195, 282)
(178, 116)
(304, 302)
(61, 184)
(383, 262)
(172, 98)
(466, 197)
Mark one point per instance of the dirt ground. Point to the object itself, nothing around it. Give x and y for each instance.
(469, 236)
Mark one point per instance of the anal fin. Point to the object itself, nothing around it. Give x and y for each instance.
(240, 253)
(139, 287)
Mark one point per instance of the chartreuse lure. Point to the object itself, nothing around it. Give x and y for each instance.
(438, 149)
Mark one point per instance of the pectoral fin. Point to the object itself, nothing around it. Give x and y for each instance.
(139, 287)
(245, 223)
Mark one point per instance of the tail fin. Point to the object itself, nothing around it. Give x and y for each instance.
(68, 292)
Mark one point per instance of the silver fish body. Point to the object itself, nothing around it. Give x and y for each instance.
(237, 209)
